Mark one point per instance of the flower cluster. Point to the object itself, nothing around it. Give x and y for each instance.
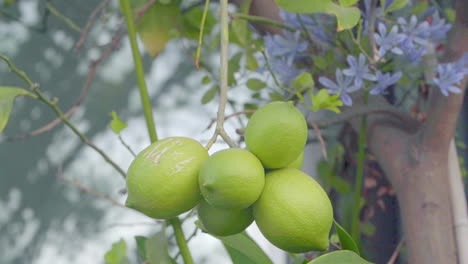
(282, 51)
(411, 37)
(449, 75)
(352, 79)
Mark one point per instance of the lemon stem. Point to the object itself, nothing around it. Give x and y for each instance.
(181, 241)
(139, 70)
(219, 131)
(147, 110)
(361, 156)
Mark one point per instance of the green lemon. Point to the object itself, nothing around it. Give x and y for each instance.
(162, 180)
(223, 222)
(276, 134)
(294, 213)
(297, 163)
(232, 179)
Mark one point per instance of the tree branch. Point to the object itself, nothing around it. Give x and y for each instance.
(219, 131)
(444, 110)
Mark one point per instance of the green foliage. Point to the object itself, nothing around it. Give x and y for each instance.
(347, 3)
(140, 242)
(303, 82)
(210, 94)
(450, 14)
(419, 8)
(7, 97)
(347, 17)
(346, 241)
(157, 249)
(158, 25)
(117, 125)
(339, 257)
(243, 250)
(117, 254)
(255, 84)
(323, 100)
(397, 4)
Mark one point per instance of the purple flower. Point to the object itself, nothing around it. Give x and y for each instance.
(385, 80)
(343, 86)
(448, 77)
(358, 69)
(278, 66)
(388, 41)
(438, 28)
(288, 46)
(414, 32)
(416, 37)
(316, 24)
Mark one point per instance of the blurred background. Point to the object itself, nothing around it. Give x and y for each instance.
(43, 217)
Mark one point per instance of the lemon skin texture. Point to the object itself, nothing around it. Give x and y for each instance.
(294, 213)
(223, 222)
(231, 179)
(276, 134)
(162, 180)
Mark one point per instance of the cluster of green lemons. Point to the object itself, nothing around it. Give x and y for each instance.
(234, 187)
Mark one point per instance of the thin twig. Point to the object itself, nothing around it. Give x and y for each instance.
(200, 36)
(126, 145)
(260, 19)
(396, 252)
(35, 88)
(65, 19)
(213, 121)
(320, 138)
(219, 131)
(133, 224)
(80, 100)
(371, 30)
(85, 189)
(90, 22)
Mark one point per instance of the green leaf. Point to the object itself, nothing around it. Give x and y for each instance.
(140, 242)
(323, 100)
(6, 3)
(234, 66)
(300, 260)
(302, 82)
(347, 17)
(339, 257)
(419, 8)
(255, 84)
(117, 254)
(397, 4)
(209, 95)
(157, 249)
(191, 22)
(346, 241)
(347, 3)
(160, 23)
(206, 80)
(240, 30)
(450, 13)
(7, 97)
(243, 250)
(275, 96)
(320, 62)
(251, 61)
(117, 125)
